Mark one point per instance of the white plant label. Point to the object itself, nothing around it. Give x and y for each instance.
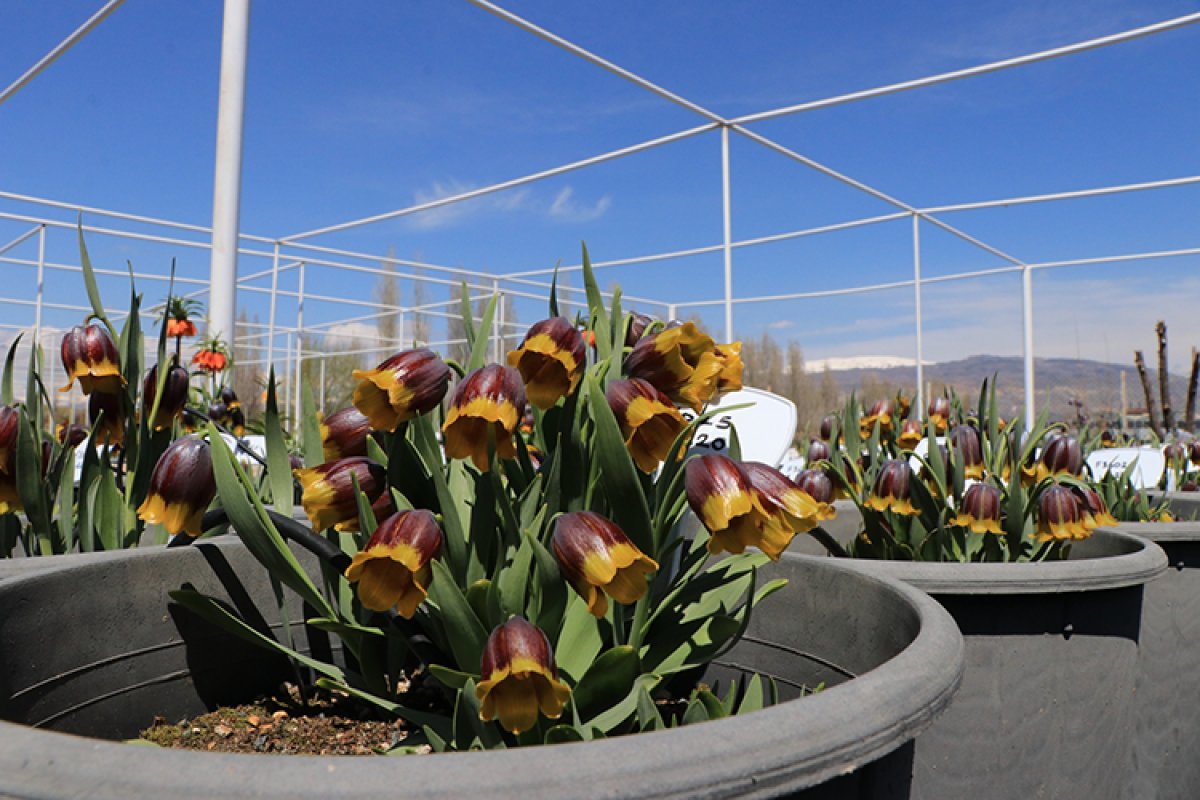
(765, 429)
(1147, 464)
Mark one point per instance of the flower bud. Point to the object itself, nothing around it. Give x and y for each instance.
(818, 451)
(229, 397)
(328, 490)
(393, 570)
(1093, 511)
(881, 413)
(1059, 516)
(1194, 452)
(965, 441)
(175, 395)
(599, 560)
(404, 386)
(111, 428)
(519, 677)
(71, 435)
(649, 420)
(550, 359)
(892, 489)
(980, 509)
(827, 423)
(181, 487)
(637, 327)
(491, 398)
(911, 434)
(90, 354)
(344, 434)
(680, 362)
(939, 412)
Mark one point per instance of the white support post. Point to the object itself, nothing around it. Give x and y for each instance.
(299, 341)
(404, 342)
(227, 180)
(1027, 343)
(271, 313)
(41, 286)
(496, 322)
(671, 311)
(920, 398)
(323, 359)
(727, 217)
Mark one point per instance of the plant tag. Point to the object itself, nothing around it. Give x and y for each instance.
(1147, 464)
(765, 429)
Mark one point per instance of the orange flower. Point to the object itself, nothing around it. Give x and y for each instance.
(180, 327)
(210, 360)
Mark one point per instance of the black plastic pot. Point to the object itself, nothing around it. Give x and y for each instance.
(91, 646)
(1047, 705)
(1166, 756)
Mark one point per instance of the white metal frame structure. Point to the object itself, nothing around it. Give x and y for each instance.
(277, 257)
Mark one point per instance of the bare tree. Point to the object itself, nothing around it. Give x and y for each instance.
(388, 324)
(1151, 409)
(1164, 377)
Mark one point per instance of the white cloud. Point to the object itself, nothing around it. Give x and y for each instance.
(567, 209)
(351, 336)
(564, 207)
(782, 324)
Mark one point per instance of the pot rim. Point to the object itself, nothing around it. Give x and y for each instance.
(791, 746)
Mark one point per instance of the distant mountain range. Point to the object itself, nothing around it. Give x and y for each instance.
(1059, 382)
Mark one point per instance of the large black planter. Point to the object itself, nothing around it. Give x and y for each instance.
(1047, 706)
(90, 646)
(1166, 762)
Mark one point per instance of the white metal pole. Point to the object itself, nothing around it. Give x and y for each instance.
(403, 338)
(227, 179)
(920, 399)
(323, 359)
(727, 215)
(41, 285)
(271, 313)
(1027, 343)
(299, 341)
(299, 372)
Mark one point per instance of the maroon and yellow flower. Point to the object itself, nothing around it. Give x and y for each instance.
(1061, 455)
(404, 386)
(181, 487)
(965, 441)
(1194, 452)
(393, 570)
(491, 398)
(879, 413)
(892, 490)
(911, 434)
(827, 423)
(720, 493)
(1107, 439)
(174, 398)
(328, 490)
(9, 420)
(784, 499)
(111, 428)
(729, 379)
(519, 677)
(89, 354)
(344, 434)
(637, 327)
(550, 360)
(819, 486)
(229, 397)
(10, 498)
(980, 509)
(1059, 516)
(818, 451)
(681, 362)
(1093, 511)
(599, 560)
(649, 421)
(71, 435)
(939, 413)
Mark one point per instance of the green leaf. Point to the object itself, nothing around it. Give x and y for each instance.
(600, 321)
(464, 631)
(514, 582)
(310, 429)
(618, 475)
(450, 678)
(612, 718)
(64, 500)
(607, 681)
(89, 281)
(479, 347)
(109, 506)
(554, 292)
(580, 641)
(6, 385)
(752, 699)
(279, 468)
(468, 316)
(562, 734)
(696, 712)
(30, 487)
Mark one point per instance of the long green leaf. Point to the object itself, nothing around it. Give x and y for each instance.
(279, 468)
(618, 474)
(601, 325)
(6, 385)
(89, 282)
(464, 631)
(479, 347)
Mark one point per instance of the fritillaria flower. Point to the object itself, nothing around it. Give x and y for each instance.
(911, 434)
(71, 435)
(880, 412)
(9, 420)
(179, 323)
(229, 397)
(404, 386)
(1107, 439)
(519, 678)
(818, 451)
(550, 360)
(965, 440)
(112, 423)
(1194, 452)
(729, 379)
(393, 570)
(784, 499)
(720, 493)
(89, 354)
(344, 434)
(491, 398)
(1174, 453)
(892, 489)
(175, 395)
(1059, 515)
(212, 356)
(10, 498)
(939, 412)
(637, 327)
(649, 420)
(180, 328)
(819, 486)
(599, 560)
(680, 362)
(237, 421)
(328, 490)
(181, 487)
(827, 424)
(1061, 455)
(980, 509)
(1093, 511)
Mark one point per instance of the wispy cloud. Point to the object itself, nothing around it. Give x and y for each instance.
(562, 207)
(567, 209)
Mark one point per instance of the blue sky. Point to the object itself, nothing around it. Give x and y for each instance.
(378, 105)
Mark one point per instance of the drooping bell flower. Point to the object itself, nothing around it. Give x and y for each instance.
(980, 509)
(550, 359)
(328, 490)
(519, 677)
(1059, 515)
(790, 506)
(179, 323)
(881, 413)
(181, 487)
(10, 498)
(229, 397)
(911, 434)
(111, 429)
(965, 440)
(939, 412)
(599, 560)
(382, 508)
(1107, 439)
(219, 413)
(649, 420)
(212, 356)
(9, 420)
(892, 489)
(637, 328)
(89, 354)
(174, 398)
(680, 362)
(817, 485)
(71, 435)
(177, 328)
(1093, 511)
(827, 423)
(344, 433)
(721, 495)
(818, 451)
(1194, 452)
(393, 570)
(1061, 455)
(237, 421)
(403, 386)
(491, 398)
(903, 405)
(729, 379)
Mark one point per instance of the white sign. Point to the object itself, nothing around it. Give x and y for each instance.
(1147, 464)
(765, 429)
